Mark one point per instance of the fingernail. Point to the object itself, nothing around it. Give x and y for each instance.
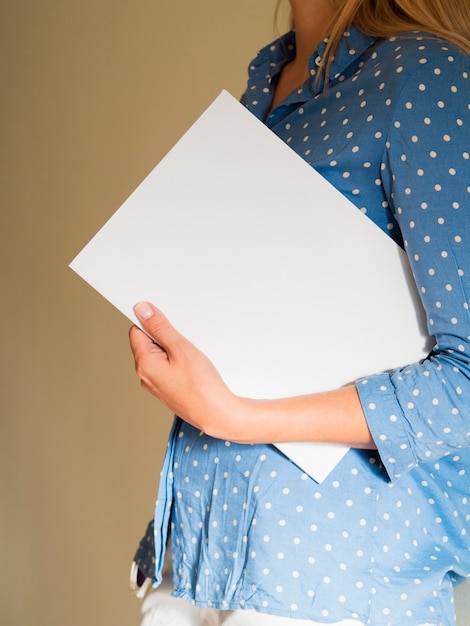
(143, 310)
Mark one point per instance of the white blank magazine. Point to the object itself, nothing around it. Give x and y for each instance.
(284, 284)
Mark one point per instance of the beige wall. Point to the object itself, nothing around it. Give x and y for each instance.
(93, 93)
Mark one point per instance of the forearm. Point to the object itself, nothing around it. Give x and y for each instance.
(332, 417)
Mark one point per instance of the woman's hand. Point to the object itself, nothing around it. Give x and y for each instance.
(181, 376)
(184, 379)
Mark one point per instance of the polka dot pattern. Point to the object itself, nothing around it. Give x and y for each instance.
(383, 539)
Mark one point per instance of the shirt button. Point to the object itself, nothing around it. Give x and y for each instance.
(318, 61)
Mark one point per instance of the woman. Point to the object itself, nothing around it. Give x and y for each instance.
(375, 95)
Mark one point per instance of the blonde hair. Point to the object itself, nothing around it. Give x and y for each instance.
(447, 19)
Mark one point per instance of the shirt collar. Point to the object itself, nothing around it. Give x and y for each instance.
(347, 57)
(271, 59)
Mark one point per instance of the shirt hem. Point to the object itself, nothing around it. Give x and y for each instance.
(288, 613)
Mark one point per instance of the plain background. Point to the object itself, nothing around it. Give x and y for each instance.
(94, 93)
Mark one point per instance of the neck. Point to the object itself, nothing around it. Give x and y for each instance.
(312, 19)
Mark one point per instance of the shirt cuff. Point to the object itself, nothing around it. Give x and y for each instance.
(387, 423)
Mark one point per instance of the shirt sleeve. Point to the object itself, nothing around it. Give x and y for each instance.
(421, 412)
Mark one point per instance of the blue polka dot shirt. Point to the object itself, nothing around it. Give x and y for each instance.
(386, 536)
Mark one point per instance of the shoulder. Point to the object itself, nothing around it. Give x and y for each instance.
(419, 68)
(407, 53)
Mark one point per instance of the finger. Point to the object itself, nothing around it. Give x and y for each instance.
(148, 356)
(157, 326)
(141, 342)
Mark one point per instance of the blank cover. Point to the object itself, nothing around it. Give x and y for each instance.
(284, 284)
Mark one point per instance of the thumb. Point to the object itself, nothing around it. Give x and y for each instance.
(156, 325)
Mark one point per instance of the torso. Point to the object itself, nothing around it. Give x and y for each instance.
(250, 530)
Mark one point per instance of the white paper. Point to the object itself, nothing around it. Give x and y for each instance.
(284, 284)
